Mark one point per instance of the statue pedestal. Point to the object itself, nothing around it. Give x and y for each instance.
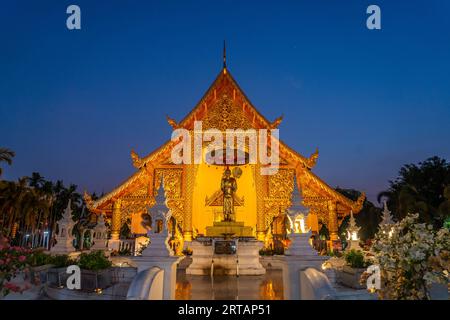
(298, 257)
(63, 246)
(353, 245)
(245, 260)
(234, 228)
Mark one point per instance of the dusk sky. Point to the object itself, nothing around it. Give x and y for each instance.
(74, 103)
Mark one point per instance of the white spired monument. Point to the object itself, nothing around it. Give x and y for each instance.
(352, 234)
(64, 237)
(156, 278)
(100, 234)
(301, 263)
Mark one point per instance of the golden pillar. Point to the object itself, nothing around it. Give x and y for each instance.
(189, 175)
(116, 220)
(260, 195)
(332, 220)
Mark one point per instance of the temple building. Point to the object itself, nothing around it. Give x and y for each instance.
(193, 191)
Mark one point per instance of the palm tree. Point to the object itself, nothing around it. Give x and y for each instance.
(12, 199)
(6, 155)
(36, 180)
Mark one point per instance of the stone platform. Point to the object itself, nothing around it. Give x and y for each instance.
(234, 228)
(244, 261)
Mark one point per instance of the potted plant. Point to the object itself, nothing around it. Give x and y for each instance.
(96, 271)
(56, 275)
(39, 263)
(351, 272)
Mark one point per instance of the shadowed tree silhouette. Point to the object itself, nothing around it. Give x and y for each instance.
(6, 155)
(421, 189)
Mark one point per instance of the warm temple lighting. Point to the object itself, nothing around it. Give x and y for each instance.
(298, 225)
(326, 265)
(390, 233)
(352, 236)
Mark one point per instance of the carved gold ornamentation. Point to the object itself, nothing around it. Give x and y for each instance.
(261, 191)
(173, 181)
(357, 206)
(276, 122)
(88, 200)
(225, 115)
(116, 220)
(172, 122)
(136, 201)
(216, 200)
(311, 161)
(137, 162)
(281, 186)
(223, 107)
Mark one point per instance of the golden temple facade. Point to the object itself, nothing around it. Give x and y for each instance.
(193, 190)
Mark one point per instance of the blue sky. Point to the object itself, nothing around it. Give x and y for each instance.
(74, 103)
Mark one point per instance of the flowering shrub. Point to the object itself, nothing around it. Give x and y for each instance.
(411, 257)
(12, 261)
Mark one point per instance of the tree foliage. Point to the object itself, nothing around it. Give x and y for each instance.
(423, 189)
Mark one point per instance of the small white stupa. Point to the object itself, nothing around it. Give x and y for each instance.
(159, 233)
(386, 220)
(352, 234)
(299, 234)
(64, 237)
(100, 234)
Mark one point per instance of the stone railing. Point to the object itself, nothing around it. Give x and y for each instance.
(127, 244)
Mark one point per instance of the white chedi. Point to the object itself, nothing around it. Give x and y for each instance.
(352, 234)
(297, 213)
(386, 218)
(158, 232)
(100, 234)
(386, 222)
(299, 234)
(64, 238)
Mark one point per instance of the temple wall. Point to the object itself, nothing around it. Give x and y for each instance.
(136, 226)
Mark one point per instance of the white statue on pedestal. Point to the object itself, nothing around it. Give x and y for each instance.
(64, 238)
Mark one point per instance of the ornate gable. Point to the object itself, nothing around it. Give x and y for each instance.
(225, 114)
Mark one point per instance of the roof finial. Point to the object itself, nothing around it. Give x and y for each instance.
(224, 55)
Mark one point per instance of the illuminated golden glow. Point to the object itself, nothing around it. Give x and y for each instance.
(224, 106)
(207, 182)
(352, 235)
(298, 225)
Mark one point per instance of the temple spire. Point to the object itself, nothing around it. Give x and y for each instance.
(224, 55)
